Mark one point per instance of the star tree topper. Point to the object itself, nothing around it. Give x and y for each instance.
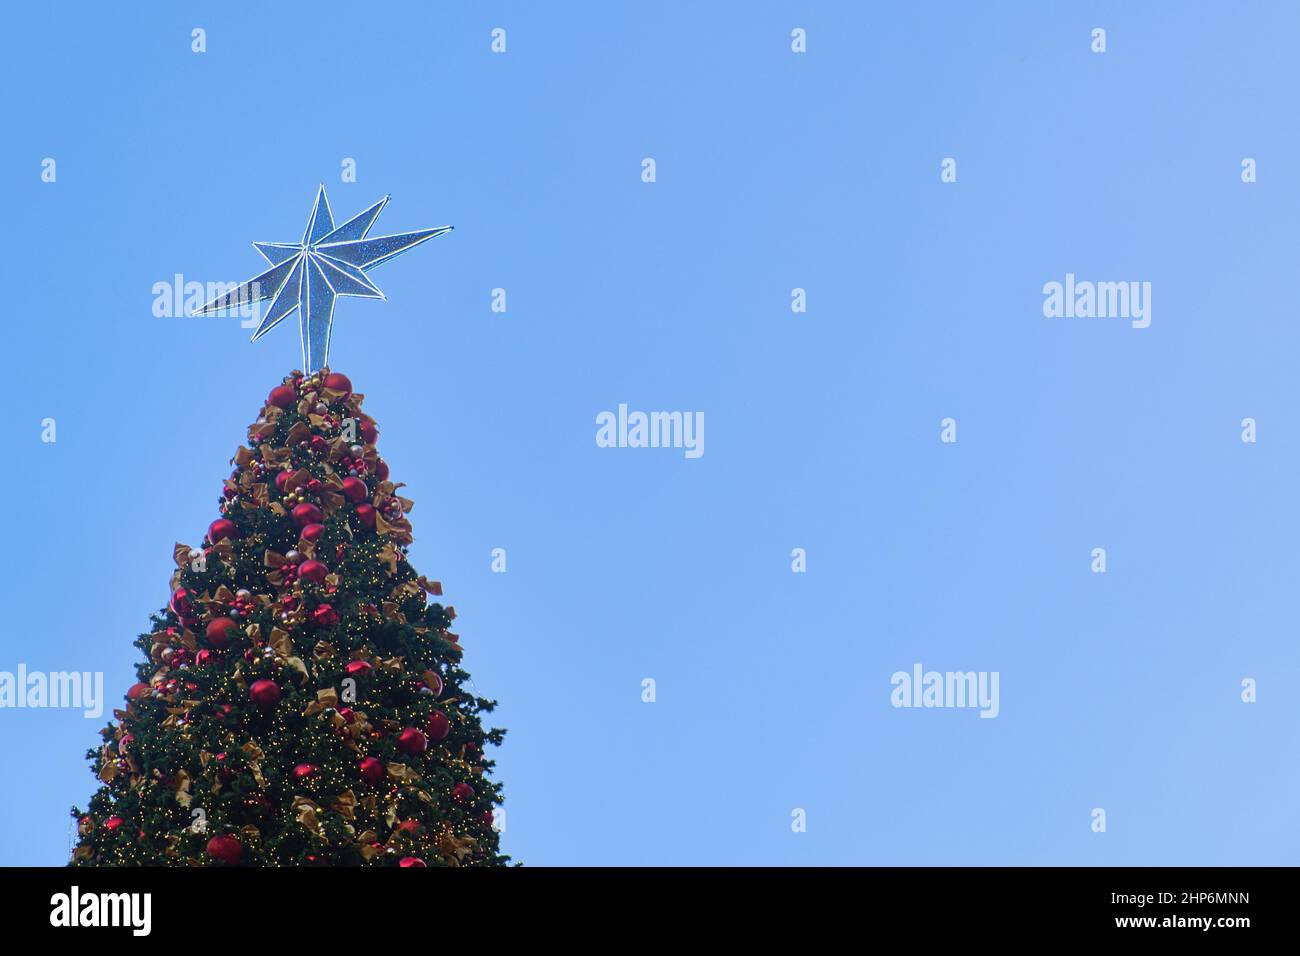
(308, 276)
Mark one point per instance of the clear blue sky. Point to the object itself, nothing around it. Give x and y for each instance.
(774, 170)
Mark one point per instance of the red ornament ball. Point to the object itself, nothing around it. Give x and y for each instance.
(338, 382)
(312, 532)
(369, 432)
(366, 515)
(355, 490)
(381, 470)
(358, 668)
(219, 631)
(325, 616)
(313, 571)
(137, 691)
(305, 514)
(409, 861)
(282, 396)
(282, 479)
(265, 693)
(439, 726)
(462, 793)
(489, 819)
(203, 657)
(221, 528)
(304, 770)
(411, 742)
(225, 848)
(372, 771)
(112, 824)
(180, 602)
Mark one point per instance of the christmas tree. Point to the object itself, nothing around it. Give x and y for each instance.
(301, 700)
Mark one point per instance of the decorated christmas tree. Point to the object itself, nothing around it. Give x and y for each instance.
(301, 700)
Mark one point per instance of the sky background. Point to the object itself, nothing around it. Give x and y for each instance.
(775, 170)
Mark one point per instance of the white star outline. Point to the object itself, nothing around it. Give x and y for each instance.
(307, 277)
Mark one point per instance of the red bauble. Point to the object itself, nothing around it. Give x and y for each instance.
(489, 819)
(137, 691)
(348, 714)
(381, 470)
(304, 770)
(313, 571)
(325, 616)
(372, 771)
(415, 861)
(265, 693)
(219, 631)
(338, 382)
(225, 848)
(203, 657)
(221, 528)
(438, 727)
(112, 824)
(358, 668)
(355, 490)
(282, 396)
(305, 514)
(369, 432)
(312, 532)
(463, 793)
(366, 515)
(282, 479)
(411, 742)
(180, 602)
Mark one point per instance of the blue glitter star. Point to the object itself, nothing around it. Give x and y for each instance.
(308, 276)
